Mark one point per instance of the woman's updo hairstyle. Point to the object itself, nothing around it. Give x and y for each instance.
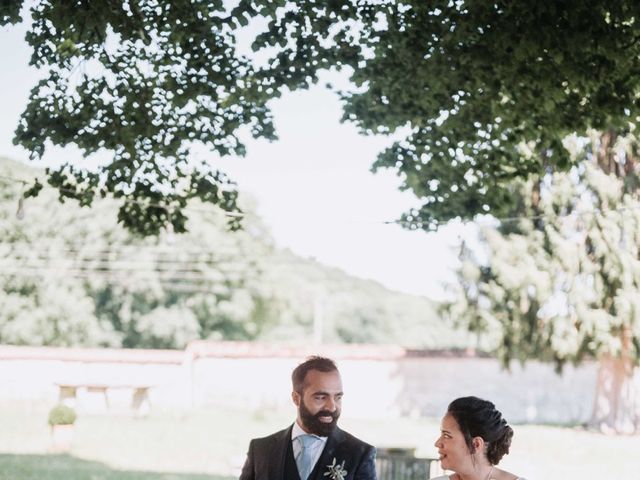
(479, 418)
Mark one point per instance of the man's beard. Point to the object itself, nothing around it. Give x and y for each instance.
(312, 422)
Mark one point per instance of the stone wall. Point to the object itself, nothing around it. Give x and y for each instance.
(378, 381)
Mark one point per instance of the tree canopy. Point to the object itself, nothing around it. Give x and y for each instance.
(567, 289)
(145, 81)
(472, 88)
(560, 279)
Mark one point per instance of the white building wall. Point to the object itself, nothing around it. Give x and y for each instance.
(393, 384)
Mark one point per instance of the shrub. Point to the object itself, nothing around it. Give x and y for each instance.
(62, 415)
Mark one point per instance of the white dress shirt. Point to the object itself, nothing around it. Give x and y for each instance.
(297, 444)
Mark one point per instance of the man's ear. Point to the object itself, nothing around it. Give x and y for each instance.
(295, 396)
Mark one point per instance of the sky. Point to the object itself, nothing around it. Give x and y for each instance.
(313, 187)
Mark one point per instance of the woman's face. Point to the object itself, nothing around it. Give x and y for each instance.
(452, 448)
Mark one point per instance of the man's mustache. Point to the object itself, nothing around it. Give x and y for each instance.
(327, 413)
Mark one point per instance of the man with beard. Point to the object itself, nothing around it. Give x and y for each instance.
(313, 448)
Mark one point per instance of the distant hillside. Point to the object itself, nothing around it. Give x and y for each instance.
(72, 276)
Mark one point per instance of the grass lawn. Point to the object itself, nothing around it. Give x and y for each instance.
(211, 445)
(65, 467)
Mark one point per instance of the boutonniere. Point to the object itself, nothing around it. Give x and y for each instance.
(336, 471)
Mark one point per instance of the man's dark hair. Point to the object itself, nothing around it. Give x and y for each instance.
(321, 364)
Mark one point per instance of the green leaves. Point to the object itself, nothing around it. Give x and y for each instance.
(10, 11)
(146, 84)
(472, 82)
(463, 85)
(561, 279)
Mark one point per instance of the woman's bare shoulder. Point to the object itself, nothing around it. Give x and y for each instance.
(504, 475)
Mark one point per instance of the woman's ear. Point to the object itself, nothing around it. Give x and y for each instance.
(478, 444)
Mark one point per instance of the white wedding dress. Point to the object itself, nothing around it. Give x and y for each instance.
(446, 477)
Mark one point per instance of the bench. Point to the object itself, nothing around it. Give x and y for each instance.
(140, 404)
(402, 464)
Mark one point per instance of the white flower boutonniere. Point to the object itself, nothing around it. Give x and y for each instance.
(336, 471)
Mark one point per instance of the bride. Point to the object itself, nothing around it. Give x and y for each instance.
(473, 439)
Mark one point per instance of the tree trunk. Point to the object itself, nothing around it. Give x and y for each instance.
(617, 403)
(605, 154)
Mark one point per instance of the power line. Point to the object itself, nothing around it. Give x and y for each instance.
(106, 263)
(173, 284)
(183, 280)
(115, 259)
(69, 265)
(129, 256)
(117, 274)
(122, 249)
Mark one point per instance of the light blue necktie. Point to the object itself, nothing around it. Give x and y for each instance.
(305, 457)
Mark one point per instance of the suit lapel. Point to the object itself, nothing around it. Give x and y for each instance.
(327, 455)
(284, 442)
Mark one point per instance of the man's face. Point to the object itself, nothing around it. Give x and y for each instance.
(320, 403)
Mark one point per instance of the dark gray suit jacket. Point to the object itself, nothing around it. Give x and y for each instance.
(267, 457)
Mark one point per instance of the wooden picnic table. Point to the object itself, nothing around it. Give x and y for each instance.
(68, 393)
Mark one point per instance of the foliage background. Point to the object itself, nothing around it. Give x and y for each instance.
(72, 276)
